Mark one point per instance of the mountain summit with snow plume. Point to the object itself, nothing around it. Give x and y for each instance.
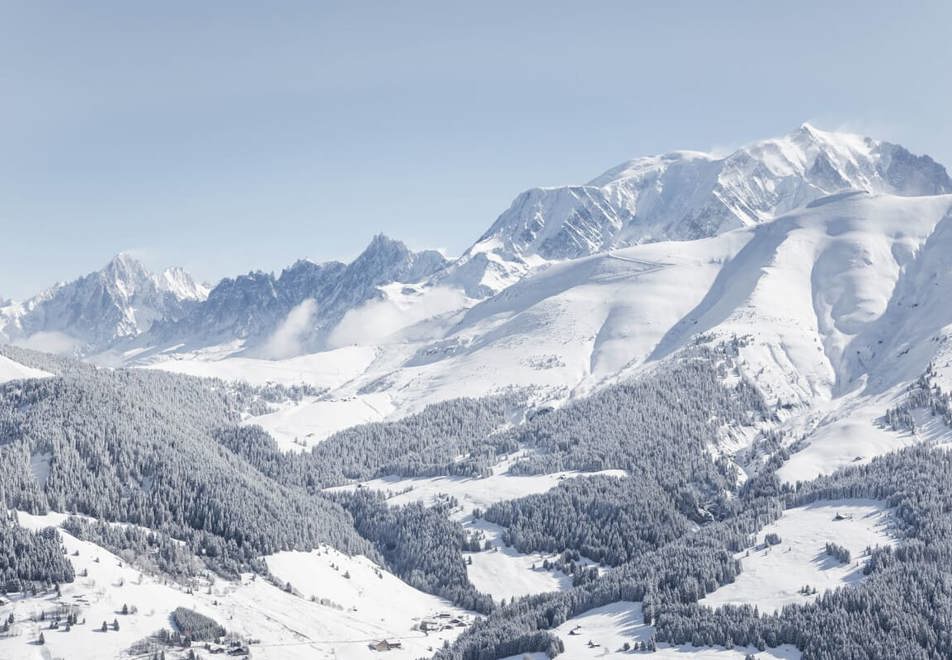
(688, 195)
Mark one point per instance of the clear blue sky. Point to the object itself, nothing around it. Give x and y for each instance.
(226, 136)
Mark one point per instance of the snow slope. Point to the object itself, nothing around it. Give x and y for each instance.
(559, 333)
(289, 626)
(807, 284)
(501, 572)
(772, 576)
(608, 628)
(297, 427)
(471, 492)
(364, 592)
(916, 326)
(848, 432)
(506, 573)
(10, 370)
(330, 369)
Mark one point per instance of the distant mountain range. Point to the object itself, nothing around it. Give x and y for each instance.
(560, 274)
(124, 305)
(119, 302)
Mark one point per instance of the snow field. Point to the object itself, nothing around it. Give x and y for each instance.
(289, 626)
(298, 427)
(506, 573)
(471, 492)
(10, 370)
(773, 576)
(847, 433)
(502, 572)
(329, 369)
(608, 628)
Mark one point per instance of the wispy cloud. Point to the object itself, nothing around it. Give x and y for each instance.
(378, 320)
(288, 340)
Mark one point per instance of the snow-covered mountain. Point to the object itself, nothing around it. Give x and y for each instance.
(838, 297)
(125, 307)
(808, 276)
(834, 309)
(804, 242)
(688, 195)
(252, 307)
(120, 301)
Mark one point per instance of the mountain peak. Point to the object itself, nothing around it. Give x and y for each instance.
(687, 195)
(129, 277)
(381, 241)
(124, 262)
(121, 300)
(125, 276)
(808, 129)
(124, 257)
(814, 132)
(179, 283)
(388, 260)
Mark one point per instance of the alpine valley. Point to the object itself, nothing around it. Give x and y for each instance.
(696, 407)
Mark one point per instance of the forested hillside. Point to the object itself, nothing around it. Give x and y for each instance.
(30, 560)
(139, 447)
(168, 454)
(897, 612)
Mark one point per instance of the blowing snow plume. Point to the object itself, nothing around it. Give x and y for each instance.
(287, 340)
(375, 321)
(58, 343)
